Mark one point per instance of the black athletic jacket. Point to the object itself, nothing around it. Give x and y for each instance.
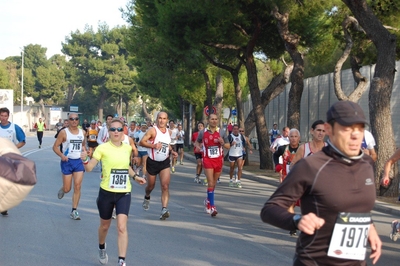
(327, 183)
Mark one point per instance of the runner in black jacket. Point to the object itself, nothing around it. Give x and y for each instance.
(337, 192)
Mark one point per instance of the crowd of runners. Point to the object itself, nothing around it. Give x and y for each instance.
(337, 160)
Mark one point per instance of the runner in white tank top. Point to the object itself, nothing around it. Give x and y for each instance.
(157, 139)
(72, 147)
(74, 142)
(317, 132)
(163, 152)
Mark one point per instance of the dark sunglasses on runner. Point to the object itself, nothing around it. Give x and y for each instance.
(119, 129)
(73, 118)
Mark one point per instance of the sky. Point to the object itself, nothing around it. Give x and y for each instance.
(48, 22)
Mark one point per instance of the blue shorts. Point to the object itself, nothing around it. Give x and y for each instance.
(141, 154)
(107, 200)
(72, 166)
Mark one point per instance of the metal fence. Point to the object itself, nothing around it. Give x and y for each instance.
(319, 95)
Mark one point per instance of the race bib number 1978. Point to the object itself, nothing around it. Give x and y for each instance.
(350, 236)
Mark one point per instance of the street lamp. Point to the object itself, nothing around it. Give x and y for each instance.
(22, 87)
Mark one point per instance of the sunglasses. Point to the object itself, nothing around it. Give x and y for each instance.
(74, 119)
(241, 130)
(119, 129)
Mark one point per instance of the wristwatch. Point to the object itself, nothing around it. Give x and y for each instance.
(296, 220)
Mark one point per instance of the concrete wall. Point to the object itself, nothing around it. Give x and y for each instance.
(319, 94)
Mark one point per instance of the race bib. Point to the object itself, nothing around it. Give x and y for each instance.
(164, 149)
(213, 152)
(75, 145)
(92, 137)
(350, 236)
(118, 178)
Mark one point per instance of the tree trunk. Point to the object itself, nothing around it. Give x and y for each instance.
(381, 89)
(355, 68)
(274, 88)
(291, 41)
(238, 90)
(101, 105)
(208, 95)
(147, 116)
(219, 98)
(239, 101)
(261, 125)
(43, 111)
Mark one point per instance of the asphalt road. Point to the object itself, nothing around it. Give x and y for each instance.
(40, 232)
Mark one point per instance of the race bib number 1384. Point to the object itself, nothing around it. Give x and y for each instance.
(350, 236)
(118, 178)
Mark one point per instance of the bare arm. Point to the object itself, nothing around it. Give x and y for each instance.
(375, 243)
(372, 153)
(91, 164)
(388, 165)
(62, 137)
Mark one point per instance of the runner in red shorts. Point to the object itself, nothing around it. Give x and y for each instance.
(213, 142)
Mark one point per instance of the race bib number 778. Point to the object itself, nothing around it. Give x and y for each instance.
(350, 236)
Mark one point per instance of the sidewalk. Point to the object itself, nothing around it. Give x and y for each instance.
(380, 206)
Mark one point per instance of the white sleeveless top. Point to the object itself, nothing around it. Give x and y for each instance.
(126, 140)
(10, 133)
(72, 147)
(139, 135)
(307, 149)
(163, 153)
(237, 149)
(174, 132)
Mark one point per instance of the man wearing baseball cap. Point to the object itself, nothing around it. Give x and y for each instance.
(337, 192)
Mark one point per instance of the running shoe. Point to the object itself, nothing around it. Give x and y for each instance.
(205, 182)
(214, 211)
(207, 207)
(145, 205)
(114, 214)
(164, 214)
(121, 262)
(75, 215)
(239, 184)
(103, 257)
(293, 233)
(197, 179)
(218, 181)
(231, 183)
(181, 163)
(60, 193)
(173, 169)
(4, 213)
(40, 146)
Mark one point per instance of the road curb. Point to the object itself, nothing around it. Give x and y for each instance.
(379, 205)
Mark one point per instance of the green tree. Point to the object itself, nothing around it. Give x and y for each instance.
(100, 60)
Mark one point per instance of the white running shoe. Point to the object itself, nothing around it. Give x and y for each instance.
(145, 205)
(75, 215)
(207, 207)
(103, 257)
(164, 214)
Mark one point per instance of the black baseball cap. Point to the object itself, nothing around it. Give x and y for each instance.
(346, 113)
